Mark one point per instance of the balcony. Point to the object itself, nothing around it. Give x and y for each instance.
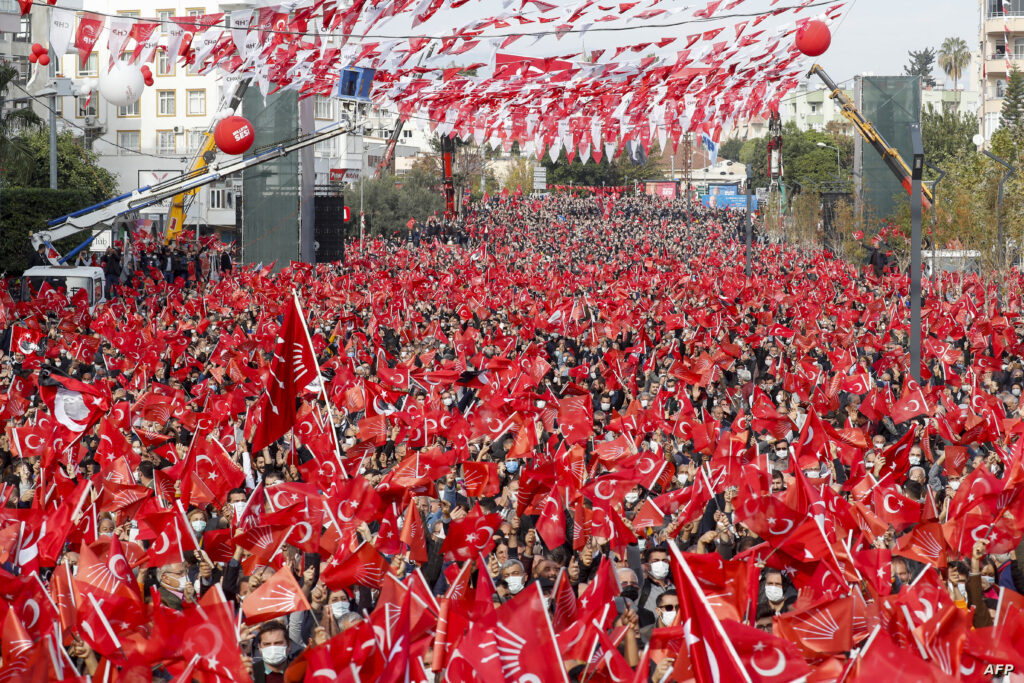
(996, 63)
(997, 22)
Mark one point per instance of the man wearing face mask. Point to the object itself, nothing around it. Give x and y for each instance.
(657, 580)
(174, 586)
(272, 658)
(514, 576)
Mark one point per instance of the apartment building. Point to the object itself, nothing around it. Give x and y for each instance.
(1001, 39)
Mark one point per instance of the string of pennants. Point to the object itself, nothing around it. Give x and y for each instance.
(465, 82)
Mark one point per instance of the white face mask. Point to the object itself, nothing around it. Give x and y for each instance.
(274, 654)
(773, 593)
(915, 460)
(606, 406)
(954, 484)
(239, 508)
(632, 497)
(540, 404)
(447, 402)
(659, 569)
(987, 581)
(644, 402)
(181, 581)
(515, 583)
(962, 588)
(339, 609)
(198, 525)
(350, 441)
(667, 615)
(681, 478)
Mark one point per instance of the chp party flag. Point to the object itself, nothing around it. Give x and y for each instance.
(293, 369)
(279, 596)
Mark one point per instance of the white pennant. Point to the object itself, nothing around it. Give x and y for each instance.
(62, 24)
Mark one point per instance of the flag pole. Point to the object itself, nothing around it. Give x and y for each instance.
(320, 381)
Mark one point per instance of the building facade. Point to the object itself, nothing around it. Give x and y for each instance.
(1001, 40)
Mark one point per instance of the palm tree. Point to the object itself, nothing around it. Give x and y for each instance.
(14, 154)
(954, 56)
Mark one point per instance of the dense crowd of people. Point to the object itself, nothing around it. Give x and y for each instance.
(582, 445)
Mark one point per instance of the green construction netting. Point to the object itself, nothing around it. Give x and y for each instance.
(891, 104)
(271, 191)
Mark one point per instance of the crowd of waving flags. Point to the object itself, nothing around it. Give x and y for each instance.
(846, 623)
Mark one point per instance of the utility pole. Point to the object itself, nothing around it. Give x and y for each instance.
(916, 171)
(746, 220)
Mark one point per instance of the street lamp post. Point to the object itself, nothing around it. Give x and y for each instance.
(747, 219)
(839, 168)
(935, 210)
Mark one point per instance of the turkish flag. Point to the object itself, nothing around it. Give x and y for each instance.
(911, 404)
(525, 640)
(25, 340)
(711, 655)
(894, 508)
(576, 418)
(294, 368)
(75, 405)
(364, 567)
(471, 535)
(768, 658)
(276, 597)
(413, 534)
(551, 522)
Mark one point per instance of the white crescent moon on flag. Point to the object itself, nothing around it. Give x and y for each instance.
(773, 671)
(789, 527)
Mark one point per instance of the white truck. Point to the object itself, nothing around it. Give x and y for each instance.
(70, 278)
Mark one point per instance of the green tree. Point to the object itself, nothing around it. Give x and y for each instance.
(390, 202)
(730, 149)
(77, 167)
(805, 164)
(618, 171)
(520, 174)
(1012, 115)
(15, 157)
(922, 63)
(946, 134)
(954, 56)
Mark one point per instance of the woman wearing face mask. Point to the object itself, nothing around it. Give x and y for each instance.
(174, 585)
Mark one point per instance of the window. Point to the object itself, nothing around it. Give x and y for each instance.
(83, 109)
(131, 111)
(1001, 87)
(164, 15)
(24, 31)
(1018, 48)
(222, 199)
(195, 137)
(196, 12)
(91, 68)
(128, 141)
(325, 148)
(128, 13)
(196, 103)
(165, 103)
(406, 133)
(165, 142)
(164, 63)
(814, 109)
(322, 108)
(23, 67)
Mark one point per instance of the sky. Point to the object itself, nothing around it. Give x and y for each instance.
(875, 35)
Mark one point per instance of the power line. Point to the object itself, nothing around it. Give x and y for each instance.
(71, 123)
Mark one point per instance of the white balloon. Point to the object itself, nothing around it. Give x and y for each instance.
(122, 86)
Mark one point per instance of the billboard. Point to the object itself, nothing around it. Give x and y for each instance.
(668, 189)
(733, 202)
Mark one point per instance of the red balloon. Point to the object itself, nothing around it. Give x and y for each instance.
(234, 135)
(813, 38)
(38, 49)
(33, 58)
(44, 60)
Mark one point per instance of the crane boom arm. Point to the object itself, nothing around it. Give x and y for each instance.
(890, 155)
(107, 211)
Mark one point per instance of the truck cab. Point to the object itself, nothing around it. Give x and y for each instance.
(69, 278)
